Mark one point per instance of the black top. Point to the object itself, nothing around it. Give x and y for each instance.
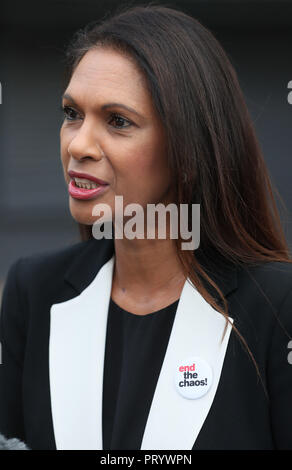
(135, 349)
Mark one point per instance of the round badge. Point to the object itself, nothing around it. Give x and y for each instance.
(193, 377)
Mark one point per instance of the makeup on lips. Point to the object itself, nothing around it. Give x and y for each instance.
(85, 186)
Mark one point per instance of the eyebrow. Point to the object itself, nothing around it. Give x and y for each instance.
(106, 106)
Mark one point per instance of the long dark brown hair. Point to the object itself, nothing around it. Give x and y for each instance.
(209, 133)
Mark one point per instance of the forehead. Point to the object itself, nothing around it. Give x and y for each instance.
(104, 74)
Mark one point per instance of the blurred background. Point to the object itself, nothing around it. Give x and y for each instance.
(257, 36)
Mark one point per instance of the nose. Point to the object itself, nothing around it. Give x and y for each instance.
(84, 145)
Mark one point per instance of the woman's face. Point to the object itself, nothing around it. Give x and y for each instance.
(124, 148)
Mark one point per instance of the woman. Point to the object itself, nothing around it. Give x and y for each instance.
(137, 343)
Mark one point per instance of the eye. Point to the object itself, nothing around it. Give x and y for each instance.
(117, 118)
(70, 113)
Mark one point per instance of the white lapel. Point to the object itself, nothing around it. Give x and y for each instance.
(76, 363)
(174, 422)
(76, 358)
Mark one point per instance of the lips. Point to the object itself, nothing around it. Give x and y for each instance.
(75, 174)
(84, 186)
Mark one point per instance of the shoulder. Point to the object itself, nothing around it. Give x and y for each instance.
(262, 303)
(32, 269)
(265, 283)
(49, 261)
(267, 274)
(43, 273)
(263, 306)
(36, 281)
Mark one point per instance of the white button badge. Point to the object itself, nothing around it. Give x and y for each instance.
(193, 377)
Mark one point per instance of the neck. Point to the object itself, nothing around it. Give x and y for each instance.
(145, 267)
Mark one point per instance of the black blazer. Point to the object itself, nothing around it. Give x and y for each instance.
(244, 414)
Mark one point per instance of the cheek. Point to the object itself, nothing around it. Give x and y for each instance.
(143, 164)
(64, 143)
(142, 176)
(152, 158)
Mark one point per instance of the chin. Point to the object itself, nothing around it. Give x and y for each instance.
(81, 212)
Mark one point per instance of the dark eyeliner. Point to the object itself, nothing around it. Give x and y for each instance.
(69, 108)
(113, 115)
(117, 115)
